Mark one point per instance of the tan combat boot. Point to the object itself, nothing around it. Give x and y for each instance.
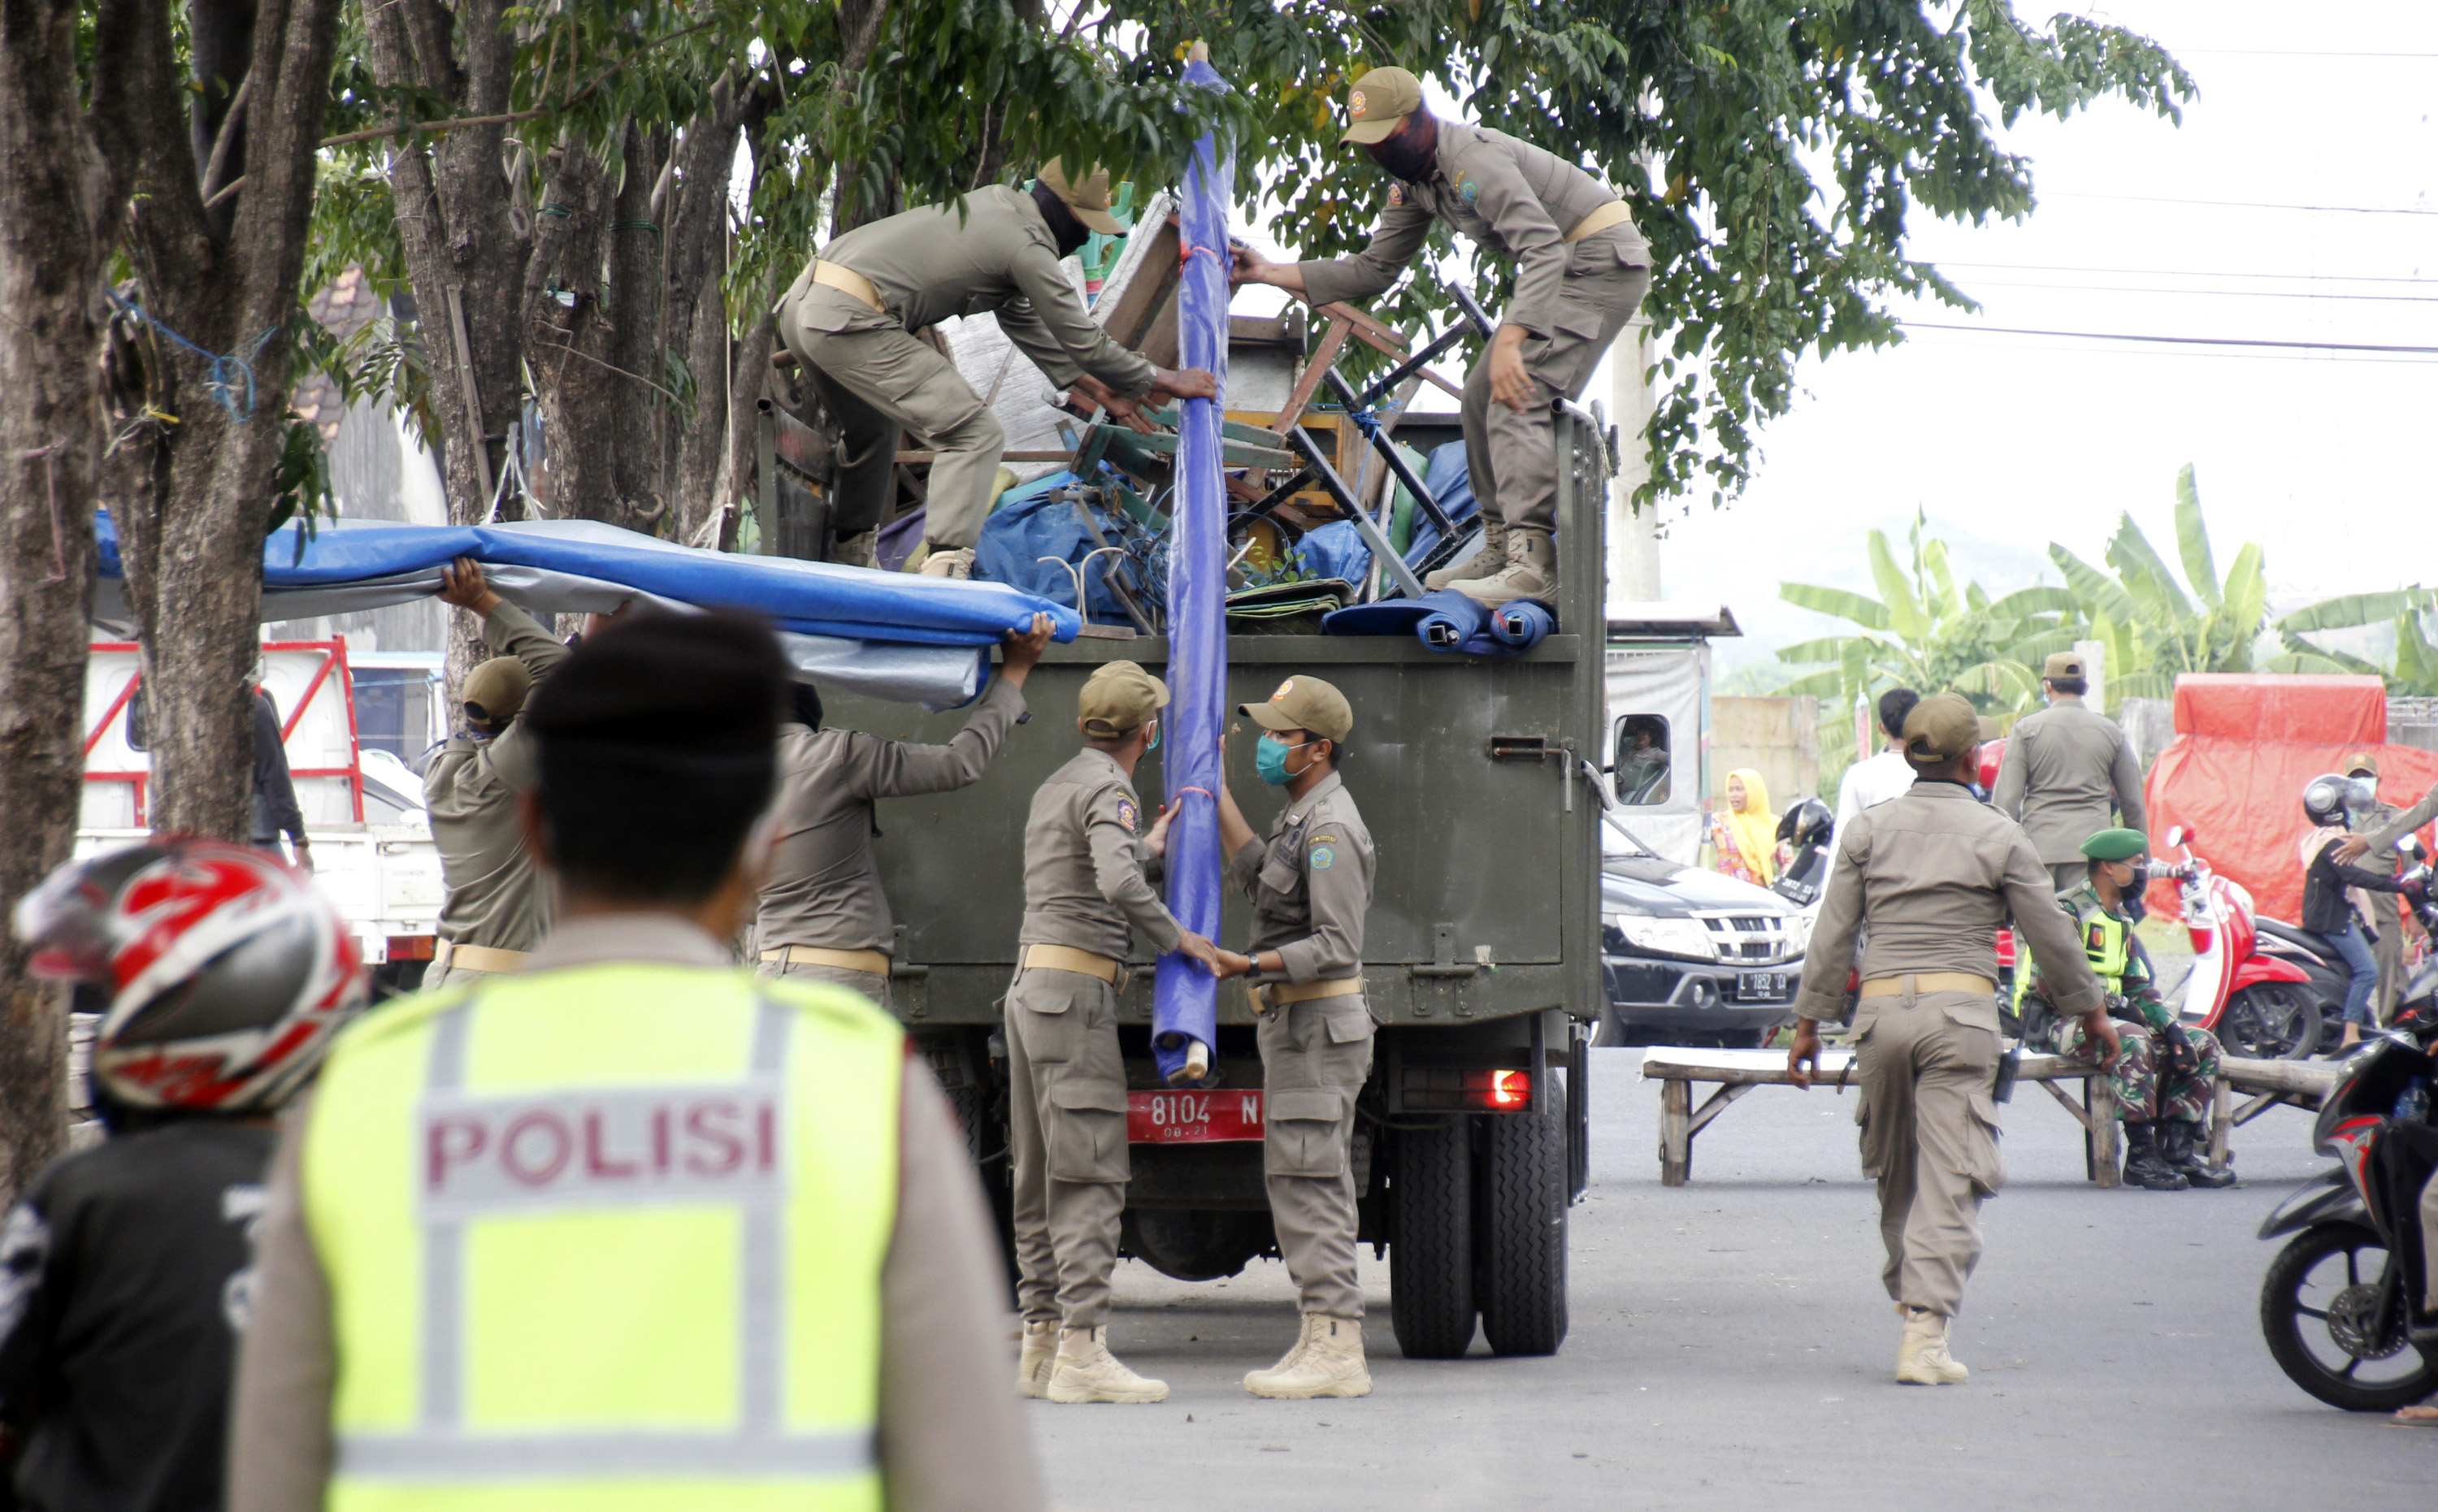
(1328, 1363)
(1491, 559)
(1531, 571)
(1039, 1353)
(1086, 1371)
(947, 561)
(1923, 1358)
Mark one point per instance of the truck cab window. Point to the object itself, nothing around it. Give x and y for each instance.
(1642, 760)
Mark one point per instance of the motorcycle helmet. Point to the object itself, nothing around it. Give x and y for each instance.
(219, 972)
(1807, 823)
(2326, 799)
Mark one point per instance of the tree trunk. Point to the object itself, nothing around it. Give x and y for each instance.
(51, 258)
(191, 498)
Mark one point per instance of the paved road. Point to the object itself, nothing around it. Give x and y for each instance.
(1731, 1349)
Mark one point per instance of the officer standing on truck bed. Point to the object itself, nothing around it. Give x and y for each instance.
(1932, 875)
(850, 319)
(1311, 886)
(497, 903)
(1580, 269)
(824, 916)
(1086, 891)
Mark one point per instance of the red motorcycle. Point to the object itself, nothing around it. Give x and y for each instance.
(2260, 1004)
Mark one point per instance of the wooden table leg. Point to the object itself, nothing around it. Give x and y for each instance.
(2107, 1133)
(1675, 1131)
(2222, 1123)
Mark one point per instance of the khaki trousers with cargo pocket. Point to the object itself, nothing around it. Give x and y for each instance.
(871, 985)
(878, 381)
(1930, 1135)
(1068, 1103)
(1512, 456)
(1314, 1057)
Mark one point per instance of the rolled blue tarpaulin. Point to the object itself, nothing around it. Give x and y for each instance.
(1453, 620)
(1522, 624)
(1185, 1000)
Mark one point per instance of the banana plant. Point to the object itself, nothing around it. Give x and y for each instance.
(2413, 672)
(2155, 628)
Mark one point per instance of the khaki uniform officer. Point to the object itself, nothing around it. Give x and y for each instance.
(823, 916)
(498, 905)
(851, 318)
(1580, 269)
(1932, 875)
(1086, 890)
(1310, 885)
(2064, 766)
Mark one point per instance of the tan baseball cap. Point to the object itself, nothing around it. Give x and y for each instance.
(2361, 760)
(1941, 728)
(1304, 703)
(1087, 196)
(1379, 100)
(2063, 665)
(496, 690)
(1118, 698)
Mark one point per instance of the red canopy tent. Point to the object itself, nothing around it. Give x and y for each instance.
(2245, 745)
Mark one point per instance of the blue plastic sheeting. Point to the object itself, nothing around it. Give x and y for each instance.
(1028, 525)
(1453, 620)
(1524, 624)
(1185, 1000)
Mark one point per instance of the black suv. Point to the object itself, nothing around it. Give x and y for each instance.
(1693, 958)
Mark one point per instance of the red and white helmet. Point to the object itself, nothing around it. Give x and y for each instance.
(220, 972)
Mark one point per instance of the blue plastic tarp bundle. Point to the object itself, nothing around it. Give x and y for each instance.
(1337, 549)
(1185, 1000)
(1448, 620)
(1028, 525)
(887, 634)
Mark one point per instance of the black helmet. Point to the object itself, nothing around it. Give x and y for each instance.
(1807, 823)
(2325, 797)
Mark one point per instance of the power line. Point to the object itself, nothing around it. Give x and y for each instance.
(2281, 52)
(2172, 341)
(2179, 354)
(2247, 204)
(2185, 272)
(2218, 293)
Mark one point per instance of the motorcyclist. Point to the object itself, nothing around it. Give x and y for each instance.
(126, 1270)
(2328, 910)
(2163, 1080)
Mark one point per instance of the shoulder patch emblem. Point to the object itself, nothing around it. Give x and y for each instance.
(1324, 840)
(1396, 195)
(1128, 815)
(1469, 191)
(1323, 858)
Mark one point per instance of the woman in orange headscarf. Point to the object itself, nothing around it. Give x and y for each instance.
(1745, 834)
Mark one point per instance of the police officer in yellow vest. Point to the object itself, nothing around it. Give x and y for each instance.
(629, 1228)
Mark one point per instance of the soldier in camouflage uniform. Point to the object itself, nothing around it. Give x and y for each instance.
(2164, 1078)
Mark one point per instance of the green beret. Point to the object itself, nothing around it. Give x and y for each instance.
(2116, 845)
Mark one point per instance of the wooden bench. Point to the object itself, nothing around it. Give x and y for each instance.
(1736, 1072)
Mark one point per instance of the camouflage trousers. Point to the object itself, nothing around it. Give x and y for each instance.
(2145, 1092)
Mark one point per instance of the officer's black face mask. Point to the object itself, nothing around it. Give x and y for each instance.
(1069, 233)
(1409, 152)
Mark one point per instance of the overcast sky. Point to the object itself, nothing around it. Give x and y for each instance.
(2010, 442)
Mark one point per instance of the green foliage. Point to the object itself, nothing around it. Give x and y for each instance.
(300, 488)
(2155, 628)
(2413, 673)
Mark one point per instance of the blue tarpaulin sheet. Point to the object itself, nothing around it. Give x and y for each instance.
(1185, 1002)
(1337, 549)
(894, 635)
(1028, 525)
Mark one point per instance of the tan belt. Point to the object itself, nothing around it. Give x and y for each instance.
(446, 956)
(1590, 225)
(1268, 996)
(1066, 958)
(870, 963)
(1928, 981)
(854, 285)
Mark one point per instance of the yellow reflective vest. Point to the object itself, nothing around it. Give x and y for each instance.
(608, 1239)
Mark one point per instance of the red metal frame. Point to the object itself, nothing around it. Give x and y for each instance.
(334, 658)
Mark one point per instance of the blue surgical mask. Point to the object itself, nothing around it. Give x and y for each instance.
(1270, 759)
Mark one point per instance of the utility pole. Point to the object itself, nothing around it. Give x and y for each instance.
(1633, 534)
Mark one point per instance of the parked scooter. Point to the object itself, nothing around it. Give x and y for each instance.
(1807, 826)
(2245, 988)
(2339, 1305)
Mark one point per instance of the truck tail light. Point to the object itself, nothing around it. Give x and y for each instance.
(1449, 1089)
(412, 947)
(1505, 1091)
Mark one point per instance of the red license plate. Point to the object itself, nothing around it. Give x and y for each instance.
(1192, 1117)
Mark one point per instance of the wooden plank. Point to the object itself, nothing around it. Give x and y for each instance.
(2068, 1103)
(1333, 341)
(2309, 1079)
(1375, 333)
(2107, 1136)
(1714, 1105)
(2221, 1124)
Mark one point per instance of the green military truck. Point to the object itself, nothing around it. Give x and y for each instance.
(1478, 780)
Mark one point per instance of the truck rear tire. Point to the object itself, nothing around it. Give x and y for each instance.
(1522, 1238)
(1430, 1245)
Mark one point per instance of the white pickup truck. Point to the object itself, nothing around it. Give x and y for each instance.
(363, 808)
